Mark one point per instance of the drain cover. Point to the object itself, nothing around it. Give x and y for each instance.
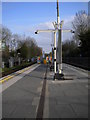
(68, 78)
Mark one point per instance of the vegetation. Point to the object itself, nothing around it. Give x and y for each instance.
(6, 71)
(25, 48)
(77, 50)
(70, 49)
(79, 46)
(16, 46)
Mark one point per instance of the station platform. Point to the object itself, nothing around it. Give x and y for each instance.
(36, 95)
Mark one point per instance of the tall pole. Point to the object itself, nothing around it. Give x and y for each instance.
(58, 18)
(59, 54)
(60, 51)
(54, 54)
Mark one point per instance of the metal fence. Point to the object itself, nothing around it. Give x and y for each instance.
(82, 62)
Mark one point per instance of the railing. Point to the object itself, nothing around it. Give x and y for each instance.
(82, 62)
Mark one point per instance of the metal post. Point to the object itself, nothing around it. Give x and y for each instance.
(58, 18)
(59, 54)
(54, 31)
(60, 51)
(54, 54)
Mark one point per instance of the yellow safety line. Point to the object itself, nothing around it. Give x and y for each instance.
(7, 78)
(11, 76)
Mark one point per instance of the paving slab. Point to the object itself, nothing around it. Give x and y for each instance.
(18, 99)
(63, 98)
(68, 98)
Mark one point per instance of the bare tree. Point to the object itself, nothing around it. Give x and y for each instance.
(14, 42)
(80, 24)
(28, 48)
(6, 35)
(82, 30)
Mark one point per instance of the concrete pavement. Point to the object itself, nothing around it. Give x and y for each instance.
(63, 99)
(21, 99)
(67, 98)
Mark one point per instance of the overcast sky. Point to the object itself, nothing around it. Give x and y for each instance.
(27, 17)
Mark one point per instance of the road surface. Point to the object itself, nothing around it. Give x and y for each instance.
(34, 94)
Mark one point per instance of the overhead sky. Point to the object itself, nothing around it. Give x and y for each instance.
(27, 17)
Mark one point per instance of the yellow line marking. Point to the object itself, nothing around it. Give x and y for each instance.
(11, 76)
(7, 78)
